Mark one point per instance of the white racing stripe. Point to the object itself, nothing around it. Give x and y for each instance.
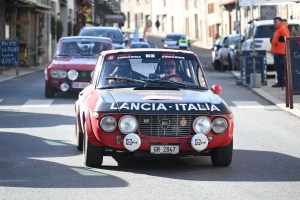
(37, 103)
(248, 104)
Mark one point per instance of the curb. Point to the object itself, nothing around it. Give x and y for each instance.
(272, 99)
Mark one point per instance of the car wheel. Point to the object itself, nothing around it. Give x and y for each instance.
(92, 155)
(222, 156)
(49, 92)
(78, 137)
(229, 63)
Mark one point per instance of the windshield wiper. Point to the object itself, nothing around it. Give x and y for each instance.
(165, 81)
(127, 80)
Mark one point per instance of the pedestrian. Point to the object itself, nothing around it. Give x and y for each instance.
(286, 25)
(278, 49)
(128, 44)
(218, 37)
(157, 24)
(285, 21)
(149, 24)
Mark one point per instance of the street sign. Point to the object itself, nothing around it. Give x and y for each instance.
(247, 68)
(9, 53)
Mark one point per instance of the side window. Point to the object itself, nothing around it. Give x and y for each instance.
(294, 30)
(227, 43)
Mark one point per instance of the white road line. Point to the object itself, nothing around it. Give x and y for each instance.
(247, 104)
(86, 172)
(37, 103)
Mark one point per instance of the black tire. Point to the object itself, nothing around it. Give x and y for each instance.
(92, 155)
(230, 67)
(49, 92)
(222, 156)
(78, 137)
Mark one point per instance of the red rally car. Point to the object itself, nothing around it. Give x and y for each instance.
(73, 63)
(152, 101)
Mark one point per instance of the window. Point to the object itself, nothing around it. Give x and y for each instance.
(211, 8)
(186, 4)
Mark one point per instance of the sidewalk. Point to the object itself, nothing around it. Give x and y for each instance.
(274, 95)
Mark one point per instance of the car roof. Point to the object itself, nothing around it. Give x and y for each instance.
(146, 50)
(101, 27)
(88, 37)
(271, 22)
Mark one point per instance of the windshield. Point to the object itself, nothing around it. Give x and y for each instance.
(150, 69)
(81, 46)
(173, 37)
(234, 40)
(114, 35)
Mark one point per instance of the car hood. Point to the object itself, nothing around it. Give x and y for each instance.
(171, 42)
(129, 100)
(75, 62)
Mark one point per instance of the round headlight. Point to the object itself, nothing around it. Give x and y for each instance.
(165, 45)
(219, 125)
(201, 125)
(54, 73)
(108, 123)
(72, 75)
(62, 74)
(128, 124)
(92, 74)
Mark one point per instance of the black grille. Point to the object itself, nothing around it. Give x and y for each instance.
(85, 74)
(152, 125)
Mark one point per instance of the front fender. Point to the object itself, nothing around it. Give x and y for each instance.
(89, 130)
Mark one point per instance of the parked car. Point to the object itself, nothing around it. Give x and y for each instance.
(152, 101)
(140, 45)
(114, 33)
(216, 52)
(260, 32)
(214, 49)
(171, 40)
(227, 53)
(73, 63)
(237, 53)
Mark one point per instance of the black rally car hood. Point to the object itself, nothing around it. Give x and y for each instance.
(128, 100)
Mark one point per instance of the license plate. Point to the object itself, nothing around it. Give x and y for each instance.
(160, 149)
(80, 84)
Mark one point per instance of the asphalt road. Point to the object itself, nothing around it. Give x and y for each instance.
(38, 159)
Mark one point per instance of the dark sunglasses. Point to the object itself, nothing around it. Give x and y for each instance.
(169, 66)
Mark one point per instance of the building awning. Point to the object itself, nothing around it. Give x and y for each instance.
(114, 18)
(225, 2)
(37, 4)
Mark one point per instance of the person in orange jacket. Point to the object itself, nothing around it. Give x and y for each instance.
(278, 49)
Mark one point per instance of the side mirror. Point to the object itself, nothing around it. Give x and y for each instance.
(162, 40)
(217, 89)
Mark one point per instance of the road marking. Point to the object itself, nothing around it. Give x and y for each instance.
(54, 143)
(86, 172)
(37, 103)
(247, 104)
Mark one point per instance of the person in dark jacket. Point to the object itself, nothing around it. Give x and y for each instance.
(278, 49)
